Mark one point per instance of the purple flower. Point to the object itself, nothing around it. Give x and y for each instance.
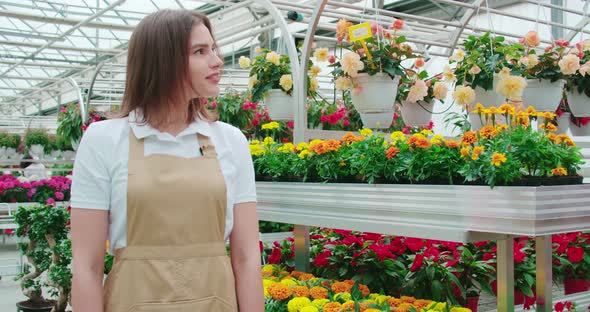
(59, 195)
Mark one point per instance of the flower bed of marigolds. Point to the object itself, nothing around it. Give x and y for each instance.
(407, 268)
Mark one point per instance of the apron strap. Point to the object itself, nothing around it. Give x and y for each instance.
(136, 151)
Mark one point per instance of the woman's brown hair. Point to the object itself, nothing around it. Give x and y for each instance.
(157, 67)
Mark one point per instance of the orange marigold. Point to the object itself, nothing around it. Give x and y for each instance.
(559, 171)
(564, 138)
(350, 306)
(488, 131)
(394, 302)
(551, 136)
(300, 291)
(351, 138)
(476, 152)
(318, 292)
(333, 145)
(279, 291)
(469, 138)
(405, 307)
(392, 151)
(464, 151)
(419, 140)
(339, 287)
(306, 277)
(422, 303)
(332, 307)
(498, 159)
(452, 144)
(349, 282)
(297, 274)
(408, 299)
(364, 290)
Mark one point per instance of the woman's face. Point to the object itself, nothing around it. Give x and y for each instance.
(204, 63)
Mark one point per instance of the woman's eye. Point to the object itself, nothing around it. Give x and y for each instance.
(199, 51)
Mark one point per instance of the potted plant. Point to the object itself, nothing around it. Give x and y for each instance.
(47, 249)
(37, 141)
(271, 80)
(371, 71)
(417, 93)
(9, 144)
(570, 255)
(574, 67)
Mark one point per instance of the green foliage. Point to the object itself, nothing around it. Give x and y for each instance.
(9, 140)
(37, 136)
(70, 123)
(274, 227)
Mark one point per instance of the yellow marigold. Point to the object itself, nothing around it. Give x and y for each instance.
(460, 309)
(469, 138)
(364, 290)
(452, 144)
(408, 299)
(437, 139)
(397, 136)
(286, 148)
(548, 115)
(405, 307)
(300, 291)
(476, 152)
(564, 138)
(441, 306)
(309, 309)
(505, 108)
(289, 282)
(559, 171)
(268, 269)
(464, 151)
(304, 154)
(494, 110)
(488, 131)
(279, 291)
(320, 303)
(551, 136)
(382, 298)
(256, 150)
(372, 310)
(522, 120)
(301, 147)
(296, 304)
(478, 108)
(271, 125)
(266, 282)
(318, 292)
(350, 138)
(394, 302)
(422, 303)
(332, 307)
(366, 132)
(501, 127)
(342, 296)
(426, 132)
(498, 159)
(531, 110)
(419, 140)
(268, 141)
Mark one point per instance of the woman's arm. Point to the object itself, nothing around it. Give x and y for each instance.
(245, 258)
(89, 235)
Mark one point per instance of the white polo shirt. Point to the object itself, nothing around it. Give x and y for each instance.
(99, 178)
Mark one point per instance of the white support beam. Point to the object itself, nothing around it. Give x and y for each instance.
(64, 21)
(60, 47)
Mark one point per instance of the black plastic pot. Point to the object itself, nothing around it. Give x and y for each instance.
(28, 306)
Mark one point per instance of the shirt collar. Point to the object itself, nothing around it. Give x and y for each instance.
(145, 130)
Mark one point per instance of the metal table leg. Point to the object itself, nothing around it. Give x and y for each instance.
(505, 274)
(301, 233)
(544, 273)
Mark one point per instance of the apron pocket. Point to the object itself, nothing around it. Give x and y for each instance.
(206, 304)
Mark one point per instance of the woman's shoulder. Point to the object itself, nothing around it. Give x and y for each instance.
(227, 131)
(107, 130)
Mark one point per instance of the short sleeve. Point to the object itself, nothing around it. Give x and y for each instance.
(91, 179)
(245, 185)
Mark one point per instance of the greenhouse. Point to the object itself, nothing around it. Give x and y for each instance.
(396, 155)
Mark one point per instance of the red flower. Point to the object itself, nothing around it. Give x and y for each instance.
(275, 257)
(487, 256)
(575, 254)
(414, 244)
(562, 43)
(558, 307)
(418, 261)
(290, 124)
(322, 259)
(261, 246)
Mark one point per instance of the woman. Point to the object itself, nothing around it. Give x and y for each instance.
(167, 185)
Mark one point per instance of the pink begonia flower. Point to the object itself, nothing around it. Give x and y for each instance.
(398, 24)
(291, 124)
(419, 62)
(346, 123)
(562, 43)
(63, 109)
(213, 104)
(331, 59)
(59, 195)
(531, 39)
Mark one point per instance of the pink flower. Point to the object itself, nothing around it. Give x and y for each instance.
(59, 195)
(406, 129)
(63, 109)
(398, 24)
(331, 59)
(361, 52)
(50, 201)
(419, 62)
(346, 123)
(562, 43)
(290, 124)
(531, 39)
(213, 104)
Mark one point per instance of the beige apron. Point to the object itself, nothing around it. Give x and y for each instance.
(175, 259)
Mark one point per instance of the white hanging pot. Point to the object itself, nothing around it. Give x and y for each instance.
(55, 154)
(579, 103)
(417, 114)
(489, 98)
(68, 155)
(11, 153)
(279, 105)
(563, 123)
(374, 99)
(36, 150)
(543, 95)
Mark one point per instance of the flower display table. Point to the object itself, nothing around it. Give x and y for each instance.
(442, 212)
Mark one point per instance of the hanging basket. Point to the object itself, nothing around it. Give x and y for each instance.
(417, 114)
(543, 95)
(375, 98)
(37, 151)
(279, 105)
(579, 103)
(489, 98)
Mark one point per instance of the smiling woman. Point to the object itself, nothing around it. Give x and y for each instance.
(166, 164)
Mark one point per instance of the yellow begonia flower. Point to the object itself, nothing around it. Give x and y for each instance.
(244, 62)
(273, 57)
(321, 54)
(286, 82)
